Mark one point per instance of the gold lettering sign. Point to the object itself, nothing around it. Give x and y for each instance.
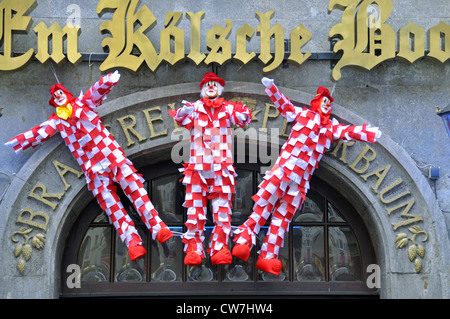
(266, 34)
(124, 36)
(195, 55)
(44, 195)
(57, 34)
(220, 47)
(365, 38)
(172, 32)
(129, 128)
(242, 34)
(150, 121)
(12, 19)
(299, 37)
(411, 42)
(440, 42)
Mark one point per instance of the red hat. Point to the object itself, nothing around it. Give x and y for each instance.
(210, 76)
(321, 92)
(61, 87)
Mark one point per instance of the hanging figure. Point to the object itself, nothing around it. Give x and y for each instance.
(284, 187)
(209, 174)
(100, 157)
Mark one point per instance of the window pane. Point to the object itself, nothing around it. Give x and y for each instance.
(239, 270)
(312, 209)
(260, 178)
(309, 257)
(334, 215)
(283, 257)
(345, 260)
(167, 195)
(243, 203)
(206, 271)
(167, 259)
(95, 254)
(101, 218)
(125, 269)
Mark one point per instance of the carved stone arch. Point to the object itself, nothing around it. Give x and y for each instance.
(44, 264)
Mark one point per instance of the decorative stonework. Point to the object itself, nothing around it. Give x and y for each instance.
(23, 249)
(415, 250)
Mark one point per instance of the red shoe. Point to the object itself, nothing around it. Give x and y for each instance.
(272, 265)
(163, 235)
(241, 251)
(192, 259)
(222, 257)
(136, 251)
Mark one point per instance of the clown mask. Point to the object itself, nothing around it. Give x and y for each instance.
(325, 105)
(60, 98)
(211, 89)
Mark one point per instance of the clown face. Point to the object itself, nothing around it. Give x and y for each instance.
(60, 98)
(325, 105)
(211, 89)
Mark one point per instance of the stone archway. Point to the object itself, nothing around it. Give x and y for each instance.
(389, 192)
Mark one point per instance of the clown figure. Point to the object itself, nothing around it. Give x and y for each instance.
(284, 187)
(101, 159)
(209, 173)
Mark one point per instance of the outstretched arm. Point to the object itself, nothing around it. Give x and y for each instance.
(97, 93)
(362, 133)
(184, 116)
(288, 110)
(34, 136)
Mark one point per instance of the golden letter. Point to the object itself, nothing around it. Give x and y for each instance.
(266, 33)
(125, 38)
(30, 221)
(367, 160)
(411, 42)
(284, 130)
(397, 182)
(150, 121)
(440, 42)
(195, 54)
(299, 37)
(12, 18)
(343, 157)
(411, 218)
(366, 40)
(381, 174)
(242, 34)
(267, 115)
(171, 32)
(220, 47)
(43, 198)
(130, 128)
(63, 172)
(57, 34)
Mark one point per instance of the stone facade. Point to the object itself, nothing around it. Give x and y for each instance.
(397, 96)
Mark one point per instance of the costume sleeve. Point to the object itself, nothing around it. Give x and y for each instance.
(184, 116)
(240, 114)
(362, 133)
(97, 93)
(34, 136)
(287, 110)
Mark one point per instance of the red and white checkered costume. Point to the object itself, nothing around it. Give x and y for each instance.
(284, 187)
(101, 158)
(209, 174)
